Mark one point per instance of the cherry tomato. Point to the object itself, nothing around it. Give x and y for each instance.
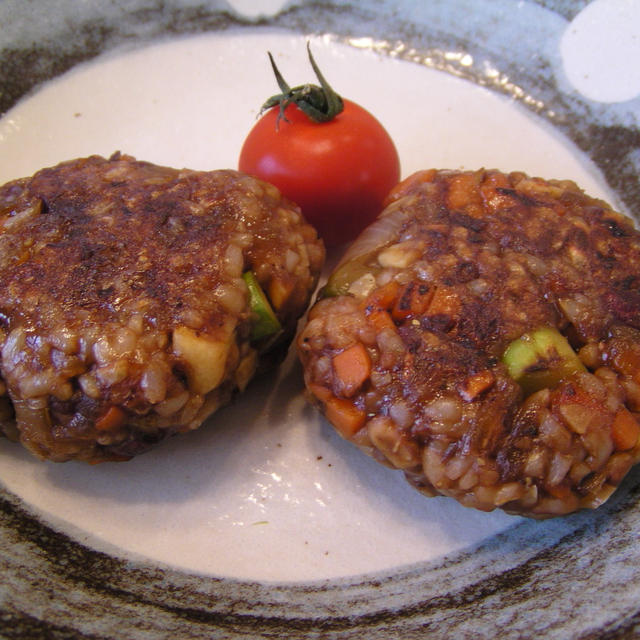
(339, 172)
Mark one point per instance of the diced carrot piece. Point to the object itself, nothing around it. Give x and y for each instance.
(381, 319)
(463, 190)
(413, 301)
(493, 198)
(345, 416)
(409, 184)
(384, 297)
(352, 367)
(625, 430)
(475, 210)
(444, 302)
(627, 361)
(320, 392)
(474, 385)
(494, 180)
(112, 418)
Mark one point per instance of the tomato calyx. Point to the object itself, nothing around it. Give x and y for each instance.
(318, 103)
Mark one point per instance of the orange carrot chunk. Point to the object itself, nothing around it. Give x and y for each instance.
(444, 302)
(476, 384)
(319, 391)
(112, 418)
(463, 190)
(408, 184)
(625, 430)
(384, 297)
(627, 361)
(345, 416)
(413, 301)
(497, 192)
(380, 319)
(352, 367)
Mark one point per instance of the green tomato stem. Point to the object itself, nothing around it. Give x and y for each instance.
(318, 103)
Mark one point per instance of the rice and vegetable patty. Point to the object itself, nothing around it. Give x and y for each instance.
(135, 299)
(484, 336)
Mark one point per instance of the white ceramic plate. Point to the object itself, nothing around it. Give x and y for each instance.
(264, 522)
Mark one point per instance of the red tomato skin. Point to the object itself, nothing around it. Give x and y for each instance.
(338, 172)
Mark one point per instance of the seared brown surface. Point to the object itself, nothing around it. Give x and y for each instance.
(124, 316)
(472, 261)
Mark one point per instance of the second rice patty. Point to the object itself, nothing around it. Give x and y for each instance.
(484, 336)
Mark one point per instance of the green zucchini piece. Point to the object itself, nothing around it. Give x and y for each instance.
(345, 275)
(541, 359)
(265, 323)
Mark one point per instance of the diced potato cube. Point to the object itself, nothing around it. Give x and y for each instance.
(400, 255)
(279, 291)
(204, 358)
(388, 438)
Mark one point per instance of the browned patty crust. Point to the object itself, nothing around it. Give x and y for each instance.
(484, 336)
(124, 316)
